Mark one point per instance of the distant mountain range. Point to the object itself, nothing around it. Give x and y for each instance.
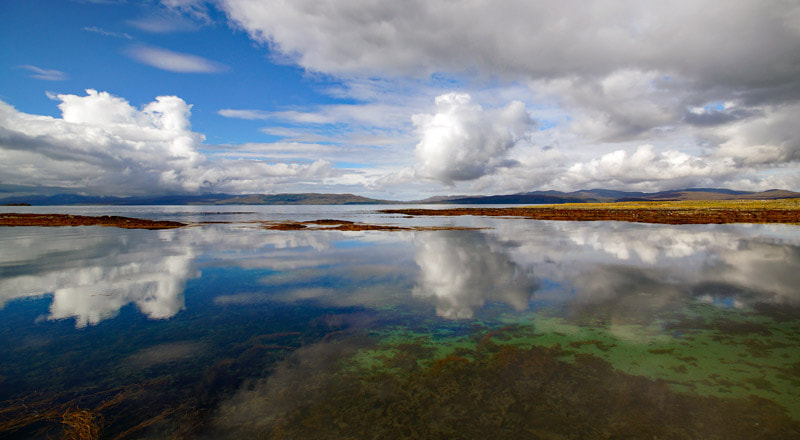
(535, 197)
(607, 195)
(205, 199)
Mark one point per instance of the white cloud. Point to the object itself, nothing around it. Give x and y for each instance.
(244, 114)
(382, 115)
(174, 16)
(101, 31)
(773, 137)
(734, 44)
(45, 74)
(174, 61)
(621, 169)
(103, 145)
(621, 105)
(711, 88)
(197, 9)
(462, 141)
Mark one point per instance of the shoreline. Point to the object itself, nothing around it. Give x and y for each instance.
(674, 212)
(786, 211)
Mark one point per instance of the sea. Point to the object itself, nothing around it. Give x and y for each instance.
(476, 327)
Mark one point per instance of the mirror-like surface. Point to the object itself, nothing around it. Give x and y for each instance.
(521, 329)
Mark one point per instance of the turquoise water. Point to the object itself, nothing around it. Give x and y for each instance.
(519, 329)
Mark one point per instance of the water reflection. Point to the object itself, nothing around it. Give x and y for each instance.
(635, 270)
(462, 270)
(757, 271)
(624, 270)
(100, 273)
(287, 315)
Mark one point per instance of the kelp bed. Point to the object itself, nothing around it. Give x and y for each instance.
(552, 378)
(499, 391)
(688, 371)
(500, 382)
(85, 417)
(700, 372)
(175, 405)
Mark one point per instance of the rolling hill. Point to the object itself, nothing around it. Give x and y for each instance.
(529, 198)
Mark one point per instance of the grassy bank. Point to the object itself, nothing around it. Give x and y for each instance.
(671, 212)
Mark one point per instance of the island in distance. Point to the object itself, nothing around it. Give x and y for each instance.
(535, 197)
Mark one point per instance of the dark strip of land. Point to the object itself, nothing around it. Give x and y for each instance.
(344, 225)
(82, 220)
(675, 212)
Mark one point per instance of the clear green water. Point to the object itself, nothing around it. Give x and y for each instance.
(524, 329)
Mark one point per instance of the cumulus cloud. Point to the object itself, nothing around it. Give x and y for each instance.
(463, 141)
(686, 77)
(45, 74)
(103, 145)
(174, 61)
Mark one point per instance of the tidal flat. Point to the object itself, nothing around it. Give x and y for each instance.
(436, 327)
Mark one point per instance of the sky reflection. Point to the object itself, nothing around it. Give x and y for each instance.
(629, 271)
(462, 270)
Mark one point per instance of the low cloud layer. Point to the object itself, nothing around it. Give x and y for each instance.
(103, 145)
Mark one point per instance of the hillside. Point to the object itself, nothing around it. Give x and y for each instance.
(595, 195)
(603, 195)
(205, 199)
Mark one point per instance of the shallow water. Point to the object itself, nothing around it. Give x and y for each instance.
(519, 329)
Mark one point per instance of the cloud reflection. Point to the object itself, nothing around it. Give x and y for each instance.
(608, 269)
(623, 271)
(104, 272)
(462, 270)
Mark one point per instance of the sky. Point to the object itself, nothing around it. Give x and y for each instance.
(397, 100)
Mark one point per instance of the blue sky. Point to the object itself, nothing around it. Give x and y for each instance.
(396, 100)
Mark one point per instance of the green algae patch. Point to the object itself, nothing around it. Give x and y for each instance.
(503, 391)
(701, 350)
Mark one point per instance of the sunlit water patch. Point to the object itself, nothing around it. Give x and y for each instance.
(522, 329)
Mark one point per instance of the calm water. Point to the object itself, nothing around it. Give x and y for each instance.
(520, 329)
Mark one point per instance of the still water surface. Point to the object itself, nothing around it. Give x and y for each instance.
(520, 329)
